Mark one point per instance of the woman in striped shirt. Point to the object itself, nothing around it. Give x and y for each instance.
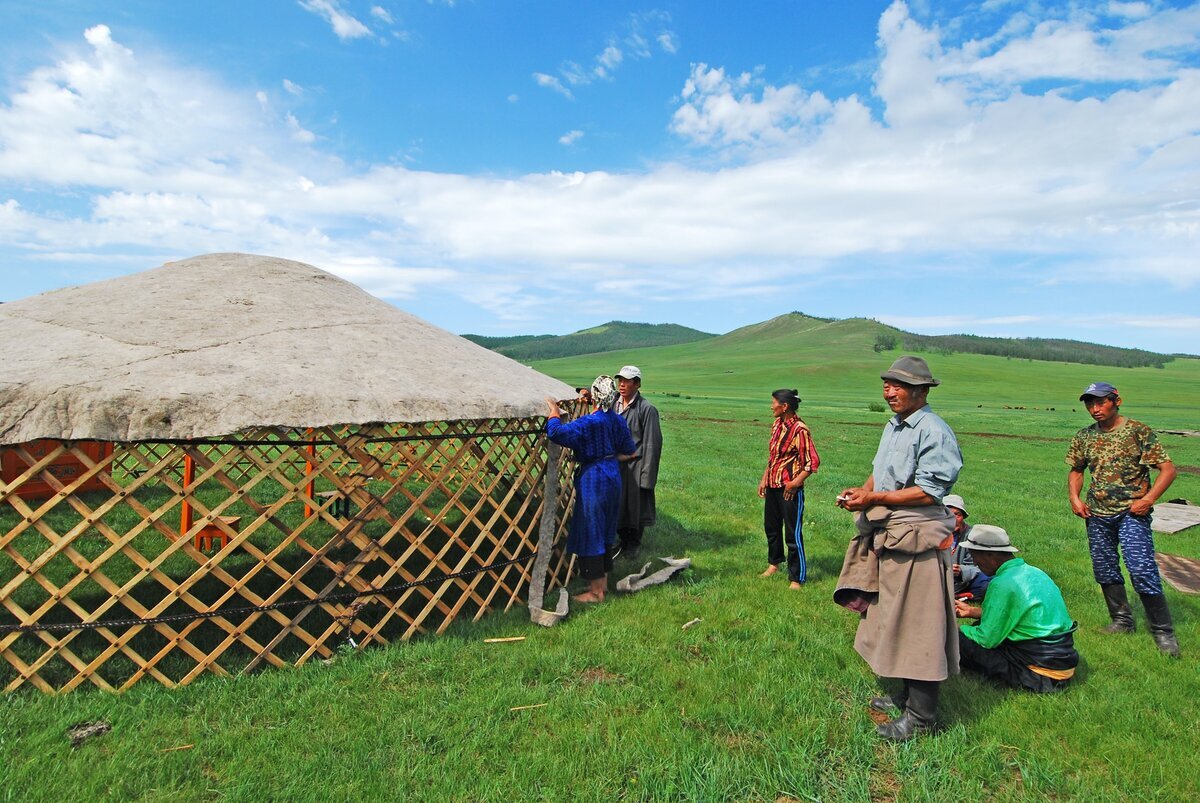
(791, 458)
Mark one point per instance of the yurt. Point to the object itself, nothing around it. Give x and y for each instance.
(237, 461)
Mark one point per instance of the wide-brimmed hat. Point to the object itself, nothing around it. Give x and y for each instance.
(1100, 390)
(954, 500)
(911, 371)
(988, 538)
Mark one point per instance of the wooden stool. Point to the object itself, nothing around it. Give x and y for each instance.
(210, 532)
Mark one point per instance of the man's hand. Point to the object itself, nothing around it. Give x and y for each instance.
(855, 499)
(1141, 507)
(762, 488)
(957, 570)
(965, 611)
(1080, 508)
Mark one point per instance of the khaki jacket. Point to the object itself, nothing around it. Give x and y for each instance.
(909, 629)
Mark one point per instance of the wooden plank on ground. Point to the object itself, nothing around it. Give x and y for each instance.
(1182, 573)
(1171, 517)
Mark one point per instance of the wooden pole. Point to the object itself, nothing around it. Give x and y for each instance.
(185, 510)
(308, 470)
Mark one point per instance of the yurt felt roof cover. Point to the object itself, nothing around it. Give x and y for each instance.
(216, 344)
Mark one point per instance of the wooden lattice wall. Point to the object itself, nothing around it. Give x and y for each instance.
(335, 536)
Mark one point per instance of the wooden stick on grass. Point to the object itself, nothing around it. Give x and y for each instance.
(527, 707)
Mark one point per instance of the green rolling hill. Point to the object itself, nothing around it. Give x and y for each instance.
(620, 335)
(611, 336)
(835, 364)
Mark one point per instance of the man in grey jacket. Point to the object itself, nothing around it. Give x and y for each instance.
(640, 475)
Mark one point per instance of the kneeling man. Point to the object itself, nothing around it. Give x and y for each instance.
(1023, 637)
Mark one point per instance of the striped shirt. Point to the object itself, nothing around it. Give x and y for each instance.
(790, 451)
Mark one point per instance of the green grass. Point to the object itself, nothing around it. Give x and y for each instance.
(764, 699)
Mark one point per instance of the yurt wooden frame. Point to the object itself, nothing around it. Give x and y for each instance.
(321, 539)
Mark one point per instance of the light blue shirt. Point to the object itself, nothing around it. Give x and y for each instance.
(920, 450)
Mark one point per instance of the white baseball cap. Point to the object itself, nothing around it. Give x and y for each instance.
(630, 372)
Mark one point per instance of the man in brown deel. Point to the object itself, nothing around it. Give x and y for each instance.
(908, 630)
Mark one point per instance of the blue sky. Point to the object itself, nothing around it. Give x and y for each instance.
(999, 168)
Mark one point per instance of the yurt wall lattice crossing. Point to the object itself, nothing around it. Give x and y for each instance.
(172, 559)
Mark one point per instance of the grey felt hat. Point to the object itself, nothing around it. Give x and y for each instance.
(954, 500)
(911, 371)
(988, 538)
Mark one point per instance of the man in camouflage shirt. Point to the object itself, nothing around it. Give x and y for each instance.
(1120, 453)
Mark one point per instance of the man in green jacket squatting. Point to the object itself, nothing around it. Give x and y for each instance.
(1024, 634)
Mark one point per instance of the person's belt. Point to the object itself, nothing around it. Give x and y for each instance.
(586, 463)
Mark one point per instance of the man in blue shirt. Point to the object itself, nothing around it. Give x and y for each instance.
(1024, 634)
(908, 629)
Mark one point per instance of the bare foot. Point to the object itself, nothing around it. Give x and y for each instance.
(588, 596)
(769, 571)
(795, 586)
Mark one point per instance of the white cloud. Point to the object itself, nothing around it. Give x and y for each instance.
(956, 173)
(1132, 10)
(635, 45)
(344, 25)
(722, 110)
(299, 132)
(382, 14)
(955, 324)
(570, 138)
(292, 88)
(1165, 322)
(608, 61)
(550, 82)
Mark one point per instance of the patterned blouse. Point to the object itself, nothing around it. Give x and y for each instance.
(790, 451)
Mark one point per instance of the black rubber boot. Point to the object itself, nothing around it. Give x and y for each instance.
(920, 712)
(1118, 609)
(891, 703)
(1158, 617)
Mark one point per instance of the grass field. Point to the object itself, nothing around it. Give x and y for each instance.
(764, 698)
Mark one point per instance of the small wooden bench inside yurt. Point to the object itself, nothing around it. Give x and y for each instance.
(237, 461)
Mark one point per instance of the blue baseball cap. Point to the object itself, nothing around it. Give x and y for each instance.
(1099, 390)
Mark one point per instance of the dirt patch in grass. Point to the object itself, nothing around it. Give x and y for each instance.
(878, 717)
(884, 786)
(705, 418)
(736, 740)
(1189, 469)
(598, 674)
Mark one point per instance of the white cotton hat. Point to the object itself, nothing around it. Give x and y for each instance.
(630, 372)
(954, 500)
(988, 538)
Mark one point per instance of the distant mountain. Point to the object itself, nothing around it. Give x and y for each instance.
(622, 335)
(888, 338)
(1036, 348)
(612, 336)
